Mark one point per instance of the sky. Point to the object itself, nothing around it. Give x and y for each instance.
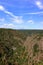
(21, 14)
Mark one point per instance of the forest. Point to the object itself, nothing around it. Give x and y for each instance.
(21, 47)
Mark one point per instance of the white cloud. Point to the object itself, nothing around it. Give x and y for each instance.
(39, 4)
(17, 19)
(31, 21)
(11, 25)
(34, 13)
(9, 13)
(2, 8)
(7, 25)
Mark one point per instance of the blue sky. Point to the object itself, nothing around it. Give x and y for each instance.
(21, 14)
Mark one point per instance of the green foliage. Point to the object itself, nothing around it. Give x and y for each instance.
(35, 48)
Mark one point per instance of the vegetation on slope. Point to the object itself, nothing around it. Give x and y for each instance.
(12, 51)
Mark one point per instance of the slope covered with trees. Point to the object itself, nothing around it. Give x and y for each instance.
(12, 52)
(21, 47)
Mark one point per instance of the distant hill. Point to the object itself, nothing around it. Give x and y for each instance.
(21, 47)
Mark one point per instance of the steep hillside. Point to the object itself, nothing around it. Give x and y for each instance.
(12, 51)
(21, 47)
(34, 45)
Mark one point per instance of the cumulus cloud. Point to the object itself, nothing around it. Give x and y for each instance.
(39, 4)
(31, 21)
